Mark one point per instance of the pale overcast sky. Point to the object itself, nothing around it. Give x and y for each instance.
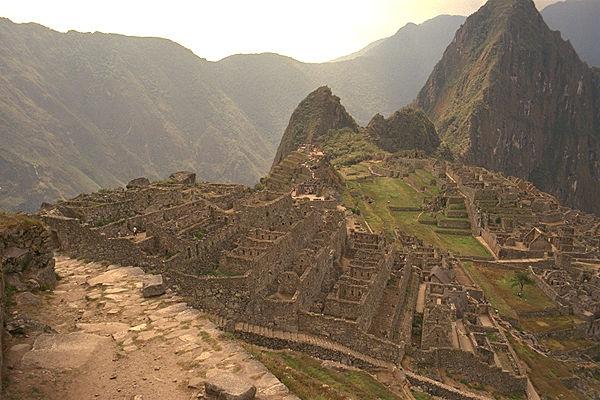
(309, 30)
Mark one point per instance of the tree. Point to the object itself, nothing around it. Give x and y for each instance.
(520, 279)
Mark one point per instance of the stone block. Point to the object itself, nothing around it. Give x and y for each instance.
(153, 286)
(184, 178)
(138, 183)
(223, 385)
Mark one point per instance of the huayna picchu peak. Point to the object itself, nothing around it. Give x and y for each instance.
(511, 95)
(320, 112)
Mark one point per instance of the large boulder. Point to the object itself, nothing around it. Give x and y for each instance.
(67, 351)
(222, 385)
(138, 183)
(183, 178)
(153, 286)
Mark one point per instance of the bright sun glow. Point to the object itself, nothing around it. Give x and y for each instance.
(309, 30)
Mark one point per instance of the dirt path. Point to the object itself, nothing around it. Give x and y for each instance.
(112, 343)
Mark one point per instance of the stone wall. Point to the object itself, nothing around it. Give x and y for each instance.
(221, 295)
(26, 262)
(27, 249)
(80, 241)
(348, 333)
(315, 346)
(469, 366)
(440, 390)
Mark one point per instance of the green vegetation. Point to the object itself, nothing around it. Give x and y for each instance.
(520, 279)
(420, 395)
(8, 221)
(347, 147)
(9, 292)
(567, 344)
(546, 373)
(199, 234)
(105, 221)
(496, 283)
(374, 196)
(550, 323)
(354, 172)
(309, 380)
(216, 271)
(210, 340)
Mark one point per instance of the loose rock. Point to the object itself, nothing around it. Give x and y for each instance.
(153, 286)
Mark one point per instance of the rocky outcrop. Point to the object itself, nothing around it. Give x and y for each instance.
(511, 95)
(26, 253)
(26, 263)
(407, 129)
(316, 115)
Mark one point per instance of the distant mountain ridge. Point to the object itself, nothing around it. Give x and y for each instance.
(83, 111)
(579, 22)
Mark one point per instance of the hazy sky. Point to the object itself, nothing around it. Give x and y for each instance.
(309, 30)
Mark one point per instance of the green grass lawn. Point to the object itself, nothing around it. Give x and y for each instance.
(356, 171)
(545, 373)
(566, 344)
(307, 379)
(373, 198)
(495, 282)
(552, 323)
(421, 395)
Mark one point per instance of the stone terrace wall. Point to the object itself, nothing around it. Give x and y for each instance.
(221, 295)
(346, 332)
(82, 242)
(28, 252)
(472, 368)
(440, 390)
(308, 344)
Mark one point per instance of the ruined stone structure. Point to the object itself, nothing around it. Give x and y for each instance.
(278, 259)
(26, 262)
(284, 266)
(532, 231)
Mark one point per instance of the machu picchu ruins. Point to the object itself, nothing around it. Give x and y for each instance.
(173, 239)
(292, 264)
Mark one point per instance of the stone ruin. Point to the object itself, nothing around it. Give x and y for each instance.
(560, 247)
(26, 265)
(282, 266)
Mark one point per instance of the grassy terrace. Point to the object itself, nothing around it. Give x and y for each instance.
(546, 373)
(374, 196)
(309, 380)
(495, 282)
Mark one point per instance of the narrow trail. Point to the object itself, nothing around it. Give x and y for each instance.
(112, 343)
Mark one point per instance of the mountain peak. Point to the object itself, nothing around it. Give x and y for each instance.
(509, 94)
(406, 129)
(320, 112)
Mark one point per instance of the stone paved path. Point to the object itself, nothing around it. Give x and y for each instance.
(111, 343)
